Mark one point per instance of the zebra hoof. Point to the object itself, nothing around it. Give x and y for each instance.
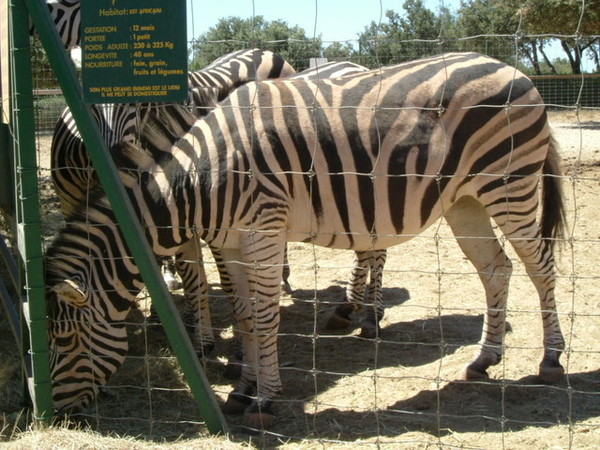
(236, 404)
(370, 331)
(337, 322)
(340, 318)
(551, 374)
(259, 417)
(259, 421)
(286, 287)
(233, 371)
(476, 373)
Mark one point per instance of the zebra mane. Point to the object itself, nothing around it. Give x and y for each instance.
(203, 99)
(165, 125)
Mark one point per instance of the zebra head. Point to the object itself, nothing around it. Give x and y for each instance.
(91, 286)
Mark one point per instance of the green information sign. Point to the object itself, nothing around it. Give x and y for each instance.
(134, 51)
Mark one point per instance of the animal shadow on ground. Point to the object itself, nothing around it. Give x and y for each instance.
(584, 125)
(313, 362)
(460, 406)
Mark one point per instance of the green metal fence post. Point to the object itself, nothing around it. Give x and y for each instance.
(127, 219)
(6, 179)
(28, 213)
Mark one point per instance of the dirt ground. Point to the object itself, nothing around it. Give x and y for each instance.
(402, 390)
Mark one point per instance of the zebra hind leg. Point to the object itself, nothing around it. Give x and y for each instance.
(373, 309)
(472, 228)
(340, 318)
(190, 267)
(537, 256)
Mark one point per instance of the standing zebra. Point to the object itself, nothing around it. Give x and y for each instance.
(366, 263)
(362, 162)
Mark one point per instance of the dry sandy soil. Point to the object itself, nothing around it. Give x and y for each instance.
(402, 390)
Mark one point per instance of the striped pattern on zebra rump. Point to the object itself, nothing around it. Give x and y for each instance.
(361, 162)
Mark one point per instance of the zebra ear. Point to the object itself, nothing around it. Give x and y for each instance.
(70, 291)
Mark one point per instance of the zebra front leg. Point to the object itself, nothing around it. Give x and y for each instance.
(233, 369)
(473, 231)
(190, 267)
(255, 277)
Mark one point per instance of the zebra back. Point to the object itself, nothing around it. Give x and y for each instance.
(326, 122)
(332, 69)
(237, 68)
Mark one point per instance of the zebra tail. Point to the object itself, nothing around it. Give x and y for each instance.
(553, 220)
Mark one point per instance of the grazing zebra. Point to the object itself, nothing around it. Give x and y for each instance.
(118, 123)
(361, 162)
(74, 178)
(66, 15)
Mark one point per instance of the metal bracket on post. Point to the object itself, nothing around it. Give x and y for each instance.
(130, 226)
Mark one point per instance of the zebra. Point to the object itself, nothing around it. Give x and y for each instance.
(362, 162)
(366, 264)
(66, 15)
(74, 179)
(70, 163)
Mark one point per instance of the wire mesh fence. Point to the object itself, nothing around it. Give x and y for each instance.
(404, 388)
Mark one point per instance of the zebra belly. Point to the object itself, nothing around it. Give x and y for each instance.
(350, 241)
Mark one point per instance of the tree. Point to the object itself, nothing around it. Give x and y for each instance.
(403, 37)
(339, 51)
(495, 28)
(235, 33)
(566, 18)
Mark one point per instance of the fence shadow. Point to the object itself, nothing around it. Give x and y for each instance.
(459, 407)
(585, 125)
(312, 365)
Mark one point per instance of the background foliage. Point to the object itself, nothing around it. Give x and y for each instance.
(516, 31)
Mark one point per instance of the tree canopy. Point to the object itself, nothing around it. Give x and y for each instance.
(516, 31)
(234, 33)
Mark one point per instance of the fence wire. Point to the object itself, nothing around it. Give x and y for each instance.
(404, 388)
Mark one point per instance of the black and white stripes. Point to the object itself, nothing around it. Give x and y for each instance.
(66, 15)
(362, 162)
